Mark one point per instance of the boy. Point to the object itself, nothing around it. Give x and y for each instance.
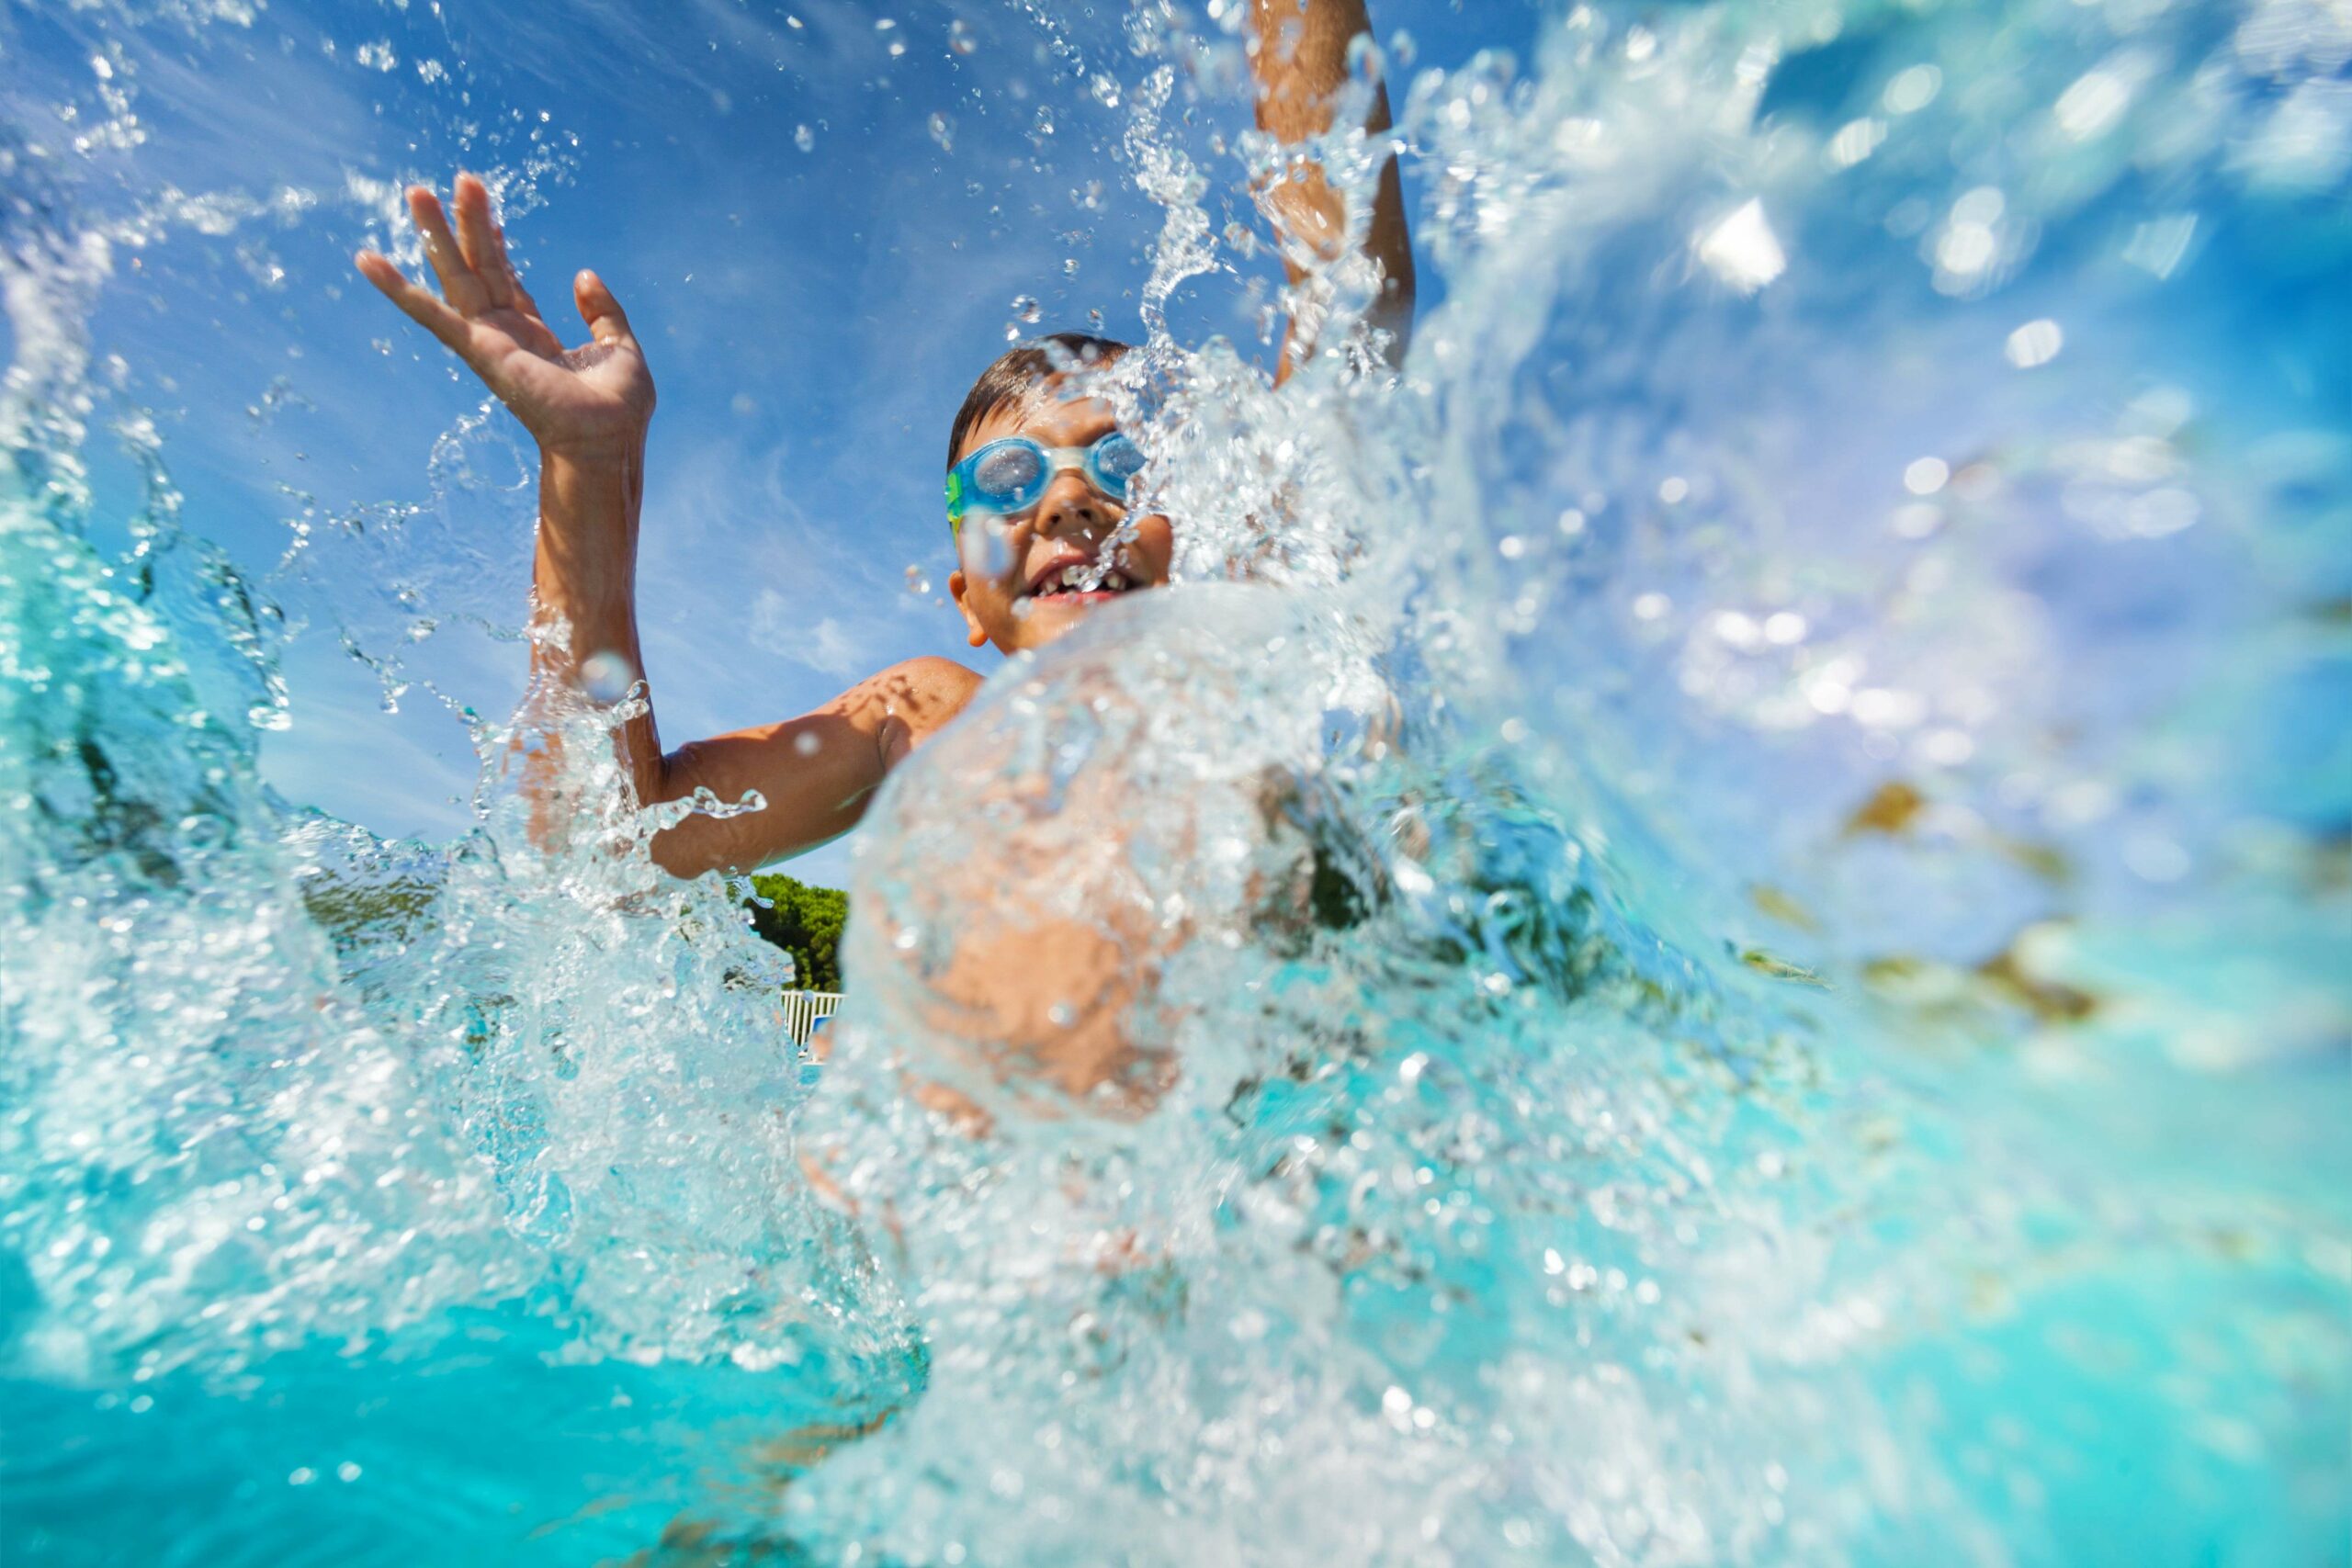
(1049, 471)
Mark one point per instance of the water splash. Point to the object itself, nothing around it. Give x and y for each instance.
(1715, 1130)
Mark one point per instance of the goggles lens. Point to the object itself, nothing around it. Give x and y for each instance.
(1116, 460)
(1008, 470)
(1010, 475)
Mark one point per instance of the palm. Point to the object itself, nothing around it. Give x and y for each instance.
(595, 399)
(561, 395)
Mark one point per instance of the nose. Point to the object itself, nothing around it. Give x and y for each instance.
(1071, 507)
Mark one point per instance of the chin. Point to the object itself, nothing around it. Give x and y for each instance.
(1049, 618)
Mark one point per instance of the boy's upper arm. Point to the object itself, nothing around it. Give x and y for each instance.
(814, 773)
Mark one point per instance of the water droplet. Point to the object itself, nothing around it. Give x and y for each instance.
(606, 677)
(1026, 309)
(1742, 250)
(983, 550)
(1912, 90)
(959, 37)
(1855, 140)
(2092, 105)
(943, 130)
(2036, 343)
(804, 138)
(1105, 88)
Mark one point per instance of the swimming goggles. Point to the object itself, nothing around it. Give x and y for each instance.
(1009, 476)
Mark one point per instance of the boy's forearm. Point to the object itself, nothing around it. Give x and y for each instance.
(588, 522)
(1300, 58)
(813, 773)
(585, 572)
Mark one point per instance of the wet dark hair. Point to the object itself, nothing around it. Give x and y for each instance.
(1019, 369)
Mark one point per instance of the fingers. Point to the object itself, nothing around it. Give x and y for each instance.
(600, 309)
(482, 243)
(426, 311)
(459, 285)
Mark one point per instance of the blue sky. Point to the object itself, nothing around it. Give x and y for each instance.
(813, 315)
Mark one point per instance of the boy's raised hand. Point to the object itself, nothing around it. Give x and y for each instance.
(592, 403)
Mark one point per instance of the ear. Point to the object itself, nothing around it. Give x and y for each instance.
(958, 587)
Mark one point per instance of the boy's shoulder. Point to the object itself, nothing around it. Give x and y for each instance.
(918, 696)
(931, 674)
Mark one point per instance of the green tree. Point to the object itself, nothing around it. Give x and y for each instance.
(805, 921)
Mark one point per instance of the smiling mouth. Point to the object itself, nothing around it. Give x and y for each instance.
(1082, 582)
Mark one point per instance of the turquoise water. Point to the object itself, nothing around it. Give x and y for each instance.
(1719, 912)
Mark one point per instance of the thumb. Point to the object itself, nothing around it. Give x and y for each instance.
(606, 322)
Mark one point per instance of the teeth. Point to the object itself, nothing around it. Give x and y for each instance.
(1076, 578)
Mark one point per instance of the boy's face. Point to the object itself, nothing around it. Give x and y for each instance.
(1013, 593)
